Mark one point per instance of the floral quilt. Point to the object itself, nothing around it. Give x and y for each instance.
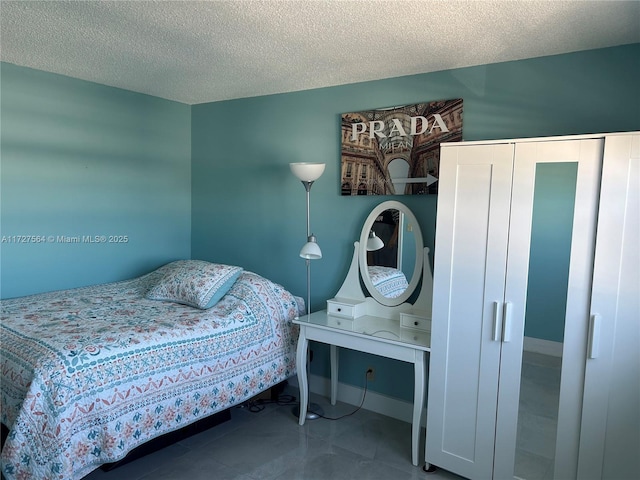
(89, 374)
(390, 282)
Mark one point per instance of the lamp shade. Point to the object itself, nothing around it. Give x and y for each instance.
(307, 172)
(374, 242)
(311, 250)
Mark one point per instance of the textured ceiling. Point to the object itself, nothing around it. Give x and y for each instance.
(196, 52)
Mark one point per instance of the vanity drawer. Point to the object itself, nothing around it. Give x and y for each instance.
(339, 322)
(417, 322)
(418, 337)
(345, 309)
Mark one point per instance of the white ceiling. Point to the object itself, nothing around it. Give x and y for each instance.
(196, 52)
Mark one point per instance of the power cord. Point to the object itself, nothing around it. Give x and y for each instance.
(364, 395)
(256, 406)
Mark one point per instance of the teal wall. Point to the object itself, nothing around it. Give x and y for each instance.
(249, 209)
(78, 158)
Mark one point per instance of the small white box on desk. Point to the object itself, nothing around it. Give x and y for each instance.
(346, 308)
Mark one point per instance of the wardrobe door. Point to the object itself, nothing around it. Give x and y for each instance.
(610, 433)
(550, 247)
(469, 276)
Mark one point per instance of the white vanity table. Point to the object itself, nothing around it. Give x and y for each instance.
(385, 326)
(375, 335)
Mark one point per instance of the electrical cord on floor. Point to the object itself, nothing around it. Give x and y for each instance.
(364, 395)
(255, 406)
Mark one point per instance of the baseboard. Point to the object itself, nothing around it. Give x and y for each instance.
(545, 347)
(375, 402)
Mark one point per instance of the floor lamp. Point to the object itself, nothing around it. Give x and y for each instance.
(308, 173)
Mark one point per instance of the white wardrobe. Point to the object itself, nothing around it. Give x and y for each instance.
(520, 256)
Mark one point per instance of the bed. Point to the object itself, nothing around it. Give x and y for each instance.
(390, 282)
(90, 374)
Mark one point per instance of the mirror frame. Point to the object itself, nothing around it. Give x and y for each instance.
(362, 254)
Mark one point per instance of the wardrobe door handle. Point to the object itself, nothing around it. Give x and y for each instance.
(506, 322)
(496, 322)
(594, 336)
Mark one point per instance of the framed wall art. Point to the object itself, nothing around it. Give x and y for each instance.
(396, 150)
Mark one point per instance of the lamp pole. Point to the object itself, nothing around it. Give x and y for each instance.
(310, 238)
(307, 173)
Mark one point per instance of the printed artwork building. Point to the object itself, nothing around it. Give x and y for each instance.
(395, 151)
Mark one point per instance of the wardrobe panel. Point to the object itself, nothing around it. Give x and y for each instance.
(536, 411)
(610, 430)
(518, 428)
(470, 270)
(460, 421)
(577, 310)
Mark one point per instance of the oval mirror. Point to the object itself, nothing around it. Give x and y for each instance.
(391, 253)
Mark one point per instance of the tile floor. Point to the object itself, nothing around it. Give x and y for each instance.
(270, 445)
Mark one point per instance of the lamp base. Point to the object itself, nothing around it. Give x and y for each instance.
(314, 411)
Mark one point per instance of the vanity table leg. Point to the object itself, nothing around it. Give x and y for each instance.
(418, 403)
(301, 367)
(334, 374)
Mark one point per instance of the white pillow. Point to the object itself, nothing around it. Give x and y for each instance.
(196, 283)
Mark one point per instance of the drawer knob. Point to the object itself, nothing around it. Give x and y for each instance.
(339, 309)
(416, 323)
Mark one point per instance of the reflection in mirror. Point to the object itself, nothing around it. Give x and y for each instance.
(391, 262)
(374, 243)
(385, 227)
(386, 262)
(545, 316)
